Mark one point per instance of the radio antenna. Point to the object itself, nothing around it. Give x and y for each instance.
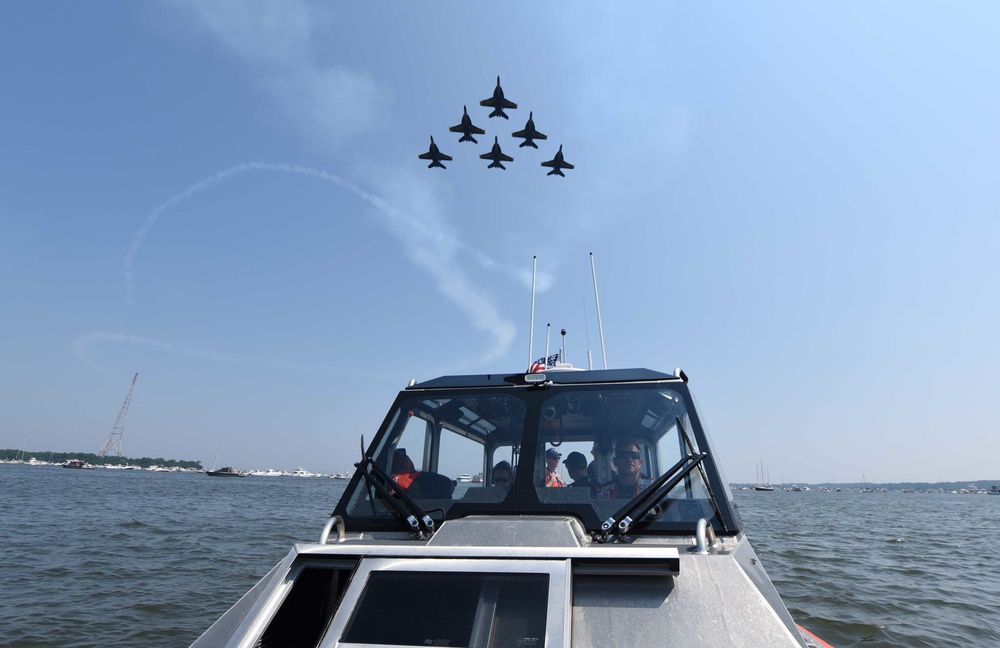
(600, 327)
(586, 330)
(548, 329)
(531, 325)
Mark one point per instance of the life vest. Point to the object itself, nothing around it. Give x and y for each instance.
(405, 479)
(553, 479)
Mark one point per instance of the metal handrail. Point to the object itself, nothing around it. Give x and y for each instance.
(704, 537)
(324, 535)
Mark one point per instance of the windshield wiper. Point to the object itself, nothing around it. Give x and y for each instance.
(410, 514)
(639, 506)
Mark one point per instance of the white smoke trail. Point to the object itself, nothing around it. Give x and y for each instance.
(430, 248)
(82, 344)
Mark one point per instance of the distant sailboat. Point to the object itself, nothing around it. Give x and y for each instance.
(762, 483)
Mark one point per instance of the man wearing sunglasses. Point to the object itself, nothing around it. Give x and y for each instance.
(503, 474)
(628, 482)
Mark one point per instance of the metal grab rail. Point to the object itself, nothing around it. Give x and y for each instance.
(324, 535)
(704, 537)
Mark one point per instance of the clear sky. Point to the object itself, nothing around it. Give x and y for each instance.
(795, 202)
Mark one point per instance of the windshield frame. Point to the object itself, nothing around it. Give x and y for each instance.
(522, 499)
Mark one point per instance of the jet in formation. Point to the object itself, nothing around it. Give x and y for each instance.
(497, 156)
(435, 156)
(529, 133)
(558, 164)
(467, 128)
(497, 102)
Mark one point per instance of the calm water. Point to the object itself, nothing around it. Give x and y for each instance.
(133, 558)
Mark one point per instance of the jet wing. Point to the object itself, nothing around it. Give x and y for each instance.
(492, 103)
(473, 129)
(505, 157)
(557, 164)
(529, 134)
(430, 156)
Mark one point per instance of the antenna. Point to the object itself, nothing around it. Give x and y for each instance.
(600, 327)
(562, 352)
(531, 325)
(114, 441)
(548, 329)
(586, 330)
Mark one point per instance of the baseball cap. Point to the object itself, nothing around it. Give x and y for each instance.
(575, 459)
(552, 453)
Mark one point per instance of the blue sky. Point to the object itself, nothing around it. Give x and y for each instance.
(795, 202)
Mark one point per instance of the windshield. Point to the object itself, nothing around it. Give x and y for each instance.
(581, 449)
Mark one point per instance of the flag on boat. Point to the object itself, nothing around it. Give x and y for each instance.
(541, 363)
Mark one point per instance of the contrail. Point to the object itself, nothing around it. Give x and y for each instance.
(83, 343)
(413, 234)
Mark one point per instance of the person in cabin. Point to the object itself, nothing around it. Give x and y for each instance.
(552, 478)
(404, 471)
(503, 475)
(592, 466)
(419, 483)
(628, 482)
(576, 466)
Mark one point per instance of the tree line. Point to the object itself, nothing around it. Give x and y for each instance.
(7, 454)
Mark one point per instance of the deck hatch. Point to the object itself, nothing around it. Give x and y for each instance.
(475, 603)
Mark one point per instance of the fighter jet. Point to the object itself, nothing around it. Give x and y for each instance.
(529, 133)
(497, 156)
(498, 103)
(435, 156)
(558, 164)
(467, 128)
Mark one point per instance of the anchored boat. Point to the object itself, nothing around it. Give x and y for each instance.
(649, 550)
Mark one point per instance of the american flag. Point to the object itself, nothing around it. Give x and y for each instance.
(541, 363)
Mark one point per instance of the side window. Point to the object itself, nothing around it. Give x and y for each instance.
(413, 441)
(668, 450)
(460, 458)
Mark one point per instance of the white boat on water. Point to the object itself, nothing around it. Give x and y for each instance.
(270, 472)
(302, 472)
(464, 477)
(655, 557)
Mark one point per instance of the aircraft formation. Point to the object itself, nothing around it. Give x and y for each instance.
(499, 103)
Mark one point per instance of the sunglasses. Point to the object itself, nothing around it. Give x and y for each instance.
(501, 480)
(628, 455)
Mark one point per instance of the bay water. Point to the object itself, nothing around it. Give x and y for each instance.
(138, 558)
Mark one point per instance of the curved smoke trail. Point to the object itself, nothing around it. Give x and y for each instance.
(414, 235)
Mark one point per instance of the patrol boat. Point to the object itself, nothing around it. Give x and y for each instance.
(662, 562)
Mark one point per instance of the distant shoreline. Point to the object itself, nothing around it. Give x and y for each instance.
(972, 486)
(8, 455)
